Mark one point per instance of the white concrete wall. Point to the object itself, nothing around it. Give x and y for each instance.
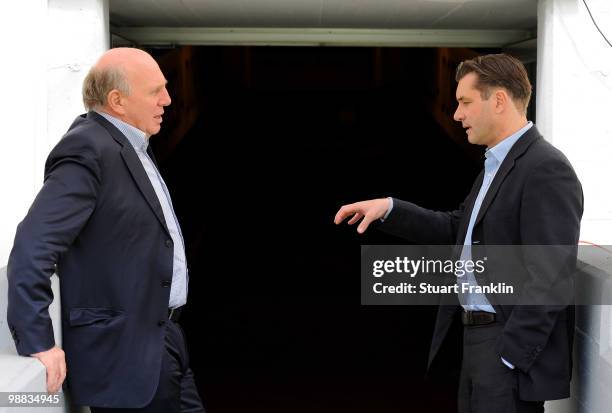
(21, 374)
(592, 374)
(574, 98)
(22, 111)
(574, 112)
(49, 46)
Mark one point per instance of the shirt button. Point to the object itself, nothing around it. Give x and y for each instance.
(168, 243)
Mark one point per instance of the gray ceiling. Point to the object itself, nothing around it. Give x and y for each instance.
(367, 14)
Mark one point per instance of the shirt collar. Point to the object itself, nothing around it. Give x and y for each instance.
(500, 151)
(137, 138)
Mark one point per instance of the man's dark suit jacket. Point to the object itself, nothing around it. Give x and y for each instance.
(534, 199)
(98, 223)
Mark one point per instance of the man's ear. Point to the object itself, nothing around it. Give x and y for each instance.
(115, 101)
(501, 100)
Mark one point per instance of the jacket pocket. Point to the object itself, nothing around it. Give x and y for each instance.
(90, 316)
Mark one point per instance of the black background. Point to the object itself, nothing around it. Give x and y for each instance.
(274, 321)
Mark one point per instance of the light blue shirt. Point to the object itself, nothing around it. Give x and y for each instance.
(140, 142)
(493, 159)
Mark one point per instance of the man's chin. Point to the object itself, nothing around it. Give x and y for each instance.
(474, 140)
(153, 131)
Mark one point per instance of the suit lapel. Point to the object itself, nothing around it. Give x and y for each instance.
(504, 169)
(152, 156)
(469, 207)
(142, 181)
(135, 167)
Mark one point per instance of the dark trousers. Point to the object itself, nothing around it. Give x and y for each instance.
(176, 392)
(486, 384)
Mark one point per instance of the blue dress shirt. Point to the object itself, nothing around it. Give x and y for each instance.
(140, 142)
(493, 159)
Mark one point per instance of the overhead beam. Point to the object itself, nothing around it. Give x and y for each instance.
(526, 51)
(168, 36)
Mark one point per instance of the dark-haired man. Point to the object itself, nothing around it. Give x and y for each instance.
(514, 357)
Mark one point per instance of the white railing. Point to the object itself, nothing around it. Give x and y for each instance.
(25, 374)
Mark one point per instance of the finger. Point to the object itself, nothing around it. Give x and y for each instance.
(54, 375)
(51, 382)
(364, 224)
(355, 218)
(58, 379)
(344, 212)
(57, 384)
(62, 372)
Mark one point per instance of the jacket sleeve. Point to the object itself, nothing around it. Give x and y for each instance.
(551, 210)
(52, 224)
(424, 226)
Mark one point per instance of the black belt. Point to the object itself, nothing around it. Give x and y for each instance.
(477, 318)
(174, 313)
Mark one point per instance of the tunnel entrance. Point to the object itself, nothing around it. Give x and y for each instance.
(259, 149)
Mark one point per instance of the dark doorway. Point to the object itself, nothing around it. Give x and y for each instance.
(283, 138)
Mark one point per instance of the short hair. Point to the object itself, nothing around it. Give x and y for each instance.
(498, 70)
(100, 82)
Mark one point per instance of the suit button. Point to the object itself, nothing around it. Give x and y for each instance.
(166, 283)
(168, 243)
(161, 322)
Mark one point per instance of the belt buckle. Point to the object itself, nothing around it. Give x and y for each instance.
(467, 318)
(478, 318)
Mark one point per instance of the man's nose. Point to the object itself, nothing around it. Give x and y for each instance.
(458, 116)
(166, 100)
